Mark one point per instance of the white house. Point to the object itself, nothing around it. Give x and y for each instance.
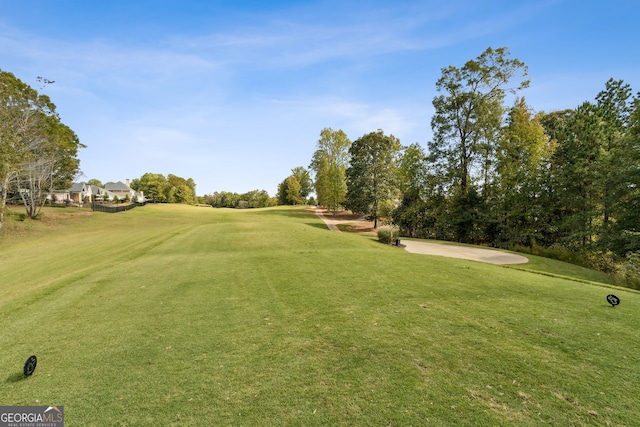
(123, 190)
(81, 192)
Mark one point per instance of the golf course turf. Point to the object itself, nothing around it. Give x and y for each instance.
(178, 315)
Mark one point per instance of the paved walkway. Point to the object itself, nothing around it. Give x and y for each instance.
(331, 222)
(491, 256)
(452, 251)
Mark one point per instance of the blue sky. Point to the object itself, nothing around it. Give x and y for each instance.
(234, 94)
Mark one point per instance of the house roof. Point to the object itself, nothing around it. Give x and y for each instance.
(117, 186)
(77, 187)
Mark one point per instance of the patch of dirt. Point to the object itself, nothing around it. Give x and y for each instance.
(345, 221)
(340, 215)
(365, 227)
(59, 215)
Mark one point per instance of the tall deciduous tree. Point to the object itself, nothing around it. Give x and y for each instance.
(469, 110)
(522, 151)
(19, 108)
(371, 175)
(289, 192)
(329, 163)
(49, 161)
(35, 148)
(303, 177)
(466, 124)
(154, 186)
(180, 190)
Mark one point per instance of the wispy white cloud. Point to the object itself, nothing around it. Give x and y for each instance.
(236, 104)
(407, 121)
(349, 34)
(305, 40)
(101, 59)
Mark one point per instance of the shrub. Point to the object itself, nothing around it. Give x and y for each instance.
(388, 234)
(607, 262)
(385, 211)
(556, 252)
(629, 271)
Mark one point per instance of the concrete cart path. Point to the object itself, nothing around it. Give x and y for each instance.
(463, 252)
(451, 251)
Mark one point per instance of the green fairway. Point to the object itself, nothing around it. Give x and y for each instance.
(175, 315)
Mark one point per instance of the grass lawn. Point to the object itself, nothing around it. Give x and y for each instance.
(175, 315)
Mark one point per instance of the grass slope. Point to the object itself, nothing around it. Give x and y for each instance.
(172, 315)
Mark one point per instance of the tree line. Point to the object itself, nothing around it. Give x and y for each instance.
(293, 190)
(170, 189)
(251, 199)
(37, 151)
(563, 183)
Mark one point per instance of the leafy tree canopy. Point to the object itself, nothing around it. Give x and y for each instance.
(170, 189)
(371, 175)
(329, 162)
(37, 151)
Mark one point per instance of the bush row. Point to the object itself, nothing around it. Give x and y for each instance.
(624, 271)
(388, 234)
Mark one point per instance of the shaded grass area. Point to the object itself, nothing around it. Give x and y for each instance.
(561, 269)
(178, 316)
(551, 267)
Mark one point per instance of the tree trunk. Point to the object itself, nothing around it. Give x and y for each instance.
(3, 199)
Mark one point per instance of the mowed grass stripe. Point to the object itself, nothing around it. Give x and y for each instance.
(199, 316)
